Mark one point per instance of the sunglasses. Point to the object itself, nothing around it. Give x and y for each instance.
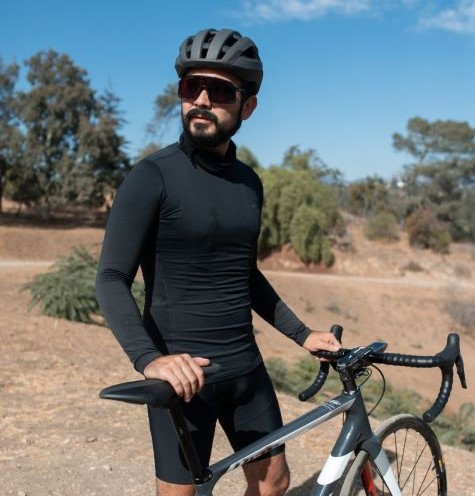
(219, 90)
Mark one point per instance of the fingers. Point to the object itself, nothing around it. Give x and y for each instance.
(329, 342)
(322, 341)
(183, 372)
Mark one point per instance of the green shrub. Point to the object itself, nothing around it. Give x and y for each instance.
(412, 266)
(367, 196)
(308, 235)
(441, 240)
(457, 429)
(425, 231)
(382, 226)
(285, 192)
(68, 291)
(326, 254)
(271, 237)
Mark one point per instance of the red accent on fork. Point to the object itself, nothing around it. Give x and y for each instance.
(367, 480)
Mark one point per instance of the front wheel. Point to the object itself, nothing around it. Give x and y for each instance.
(415, 456)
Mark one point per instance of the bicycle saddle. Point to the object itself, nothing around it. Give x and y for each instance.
(152, 392)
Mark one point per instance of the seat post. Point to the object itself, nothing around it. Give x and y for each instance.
(186, 442)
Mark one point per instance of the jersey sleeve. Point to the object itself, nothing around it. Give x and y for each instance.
(268, 304)
(131, 220)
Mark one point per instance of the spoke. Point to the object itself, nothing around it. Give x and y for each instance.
(400, 462)
(427, 487)
(430, 467)
(412, 473)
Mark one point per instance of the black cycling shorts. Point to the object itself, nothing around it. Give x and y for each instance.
(246, 408)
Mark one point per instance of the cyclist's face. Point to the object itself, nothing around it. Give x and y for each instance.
(211, 125)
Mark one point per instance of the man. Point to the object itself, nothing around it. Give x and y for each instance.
(189, 216)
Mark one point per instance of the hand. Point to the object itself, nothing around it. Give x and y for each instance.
(321, 341)
(183, 372)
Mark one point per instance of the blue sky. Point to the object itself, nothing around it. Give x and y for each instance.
(341, 76)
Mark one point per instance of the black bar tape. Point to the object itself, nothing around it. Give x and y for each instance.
(442, 397)
(317, 384)
(404, 360)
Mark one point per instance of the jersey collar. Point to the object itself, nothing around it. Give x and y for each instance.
(209, 161)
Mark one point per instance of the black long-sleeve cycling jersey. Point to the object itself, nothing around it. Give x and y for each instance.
(191, 221)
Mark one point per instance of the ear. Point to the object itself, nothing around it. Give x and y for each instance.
(248, 108)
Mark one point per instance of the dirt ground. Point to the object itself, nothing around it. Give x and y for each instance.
(58, 438)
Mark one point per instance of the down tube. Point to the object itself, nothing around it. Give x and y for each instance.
(355, 431)
(309, 420)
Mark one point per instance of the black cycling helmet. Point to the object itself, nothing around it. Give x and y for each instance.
(224, 50)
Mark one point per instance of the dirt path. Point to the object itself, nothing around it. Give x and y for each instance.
(24, 263)
(399, 281)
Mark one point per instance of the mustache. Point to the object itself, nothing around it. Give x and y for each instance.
(201, 113)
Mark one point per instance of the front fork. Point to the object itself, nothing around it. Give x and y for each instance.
(356, 434)
(367, 480)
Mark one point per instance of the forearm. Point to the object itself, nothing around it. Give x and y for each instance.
(268, 304)
(123, 317)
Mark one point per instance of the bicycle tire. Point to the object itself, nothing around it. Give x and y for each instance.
(415, 456)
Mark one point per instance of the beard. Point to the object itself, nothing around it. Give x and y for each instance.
(201, 137)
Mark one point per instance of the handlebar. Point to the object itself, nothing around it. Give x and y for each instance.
(445, 360)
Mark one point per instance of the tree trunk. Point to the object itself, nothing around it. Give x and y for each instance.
(45, 211)
(1, 193)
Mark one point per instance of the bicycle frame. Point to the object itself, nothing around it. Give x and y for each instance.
(356, 434)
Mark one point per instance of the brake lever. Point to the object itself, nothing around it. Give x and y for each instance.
(461, 371)
(337, 331)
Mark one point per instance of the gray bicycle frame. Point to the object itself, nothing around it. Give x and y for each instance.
(356, 434)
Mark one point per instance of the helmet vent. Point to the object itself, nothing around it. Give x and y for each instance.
(206, 44)
(222, 52)
(251, 53)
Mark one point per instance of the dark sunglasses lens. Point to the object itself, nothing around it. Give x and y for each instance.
(219, 91)
(189, 88)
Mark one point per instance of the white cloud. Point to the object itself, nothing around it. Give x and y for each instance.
(460, 18)
(451, 15)
(273, 10)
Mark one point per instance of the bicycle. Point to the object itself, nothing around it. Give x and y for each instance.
(401, 457)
